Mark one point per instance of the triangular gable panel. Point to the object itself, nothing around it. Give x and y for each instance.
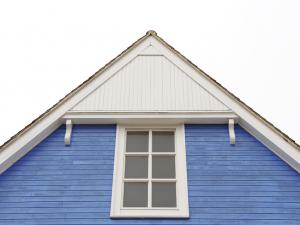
(150, 82)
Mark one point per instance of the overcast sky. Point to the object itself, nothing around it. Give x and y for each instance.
(49, 48)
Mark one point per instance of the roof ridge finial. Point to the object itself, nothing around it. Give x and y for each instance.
(151, 32)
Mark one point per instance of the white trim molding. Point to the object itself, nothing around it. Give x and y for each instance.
(68, 132)
(231, 131)
(182, 209)
(159, 117)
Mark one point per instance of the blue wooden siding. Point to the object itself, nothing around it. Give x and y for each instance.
(245, 184)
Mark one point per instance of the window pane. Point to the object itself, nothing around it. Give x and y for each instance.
(163, 141)
(163, 194)
(163, 166)
(136, 167)
(135, 195)
(137, 141)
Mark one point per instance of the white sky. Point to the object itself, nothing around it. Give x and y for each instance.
(49, 48)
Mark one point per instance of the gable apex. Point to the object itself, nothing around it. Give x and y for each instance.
(151, 32)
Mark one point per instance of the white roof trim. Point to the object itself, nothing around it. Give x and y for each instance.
(19, 146)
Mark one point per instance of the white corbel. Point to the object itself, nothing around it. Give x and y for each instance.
(231, 131)
(68, 132)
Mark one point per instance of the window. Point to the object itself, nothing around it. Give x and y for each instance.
(150, 179)
(150, 172)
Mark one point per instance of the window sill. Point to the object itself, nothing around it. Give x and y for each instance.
(150, 213)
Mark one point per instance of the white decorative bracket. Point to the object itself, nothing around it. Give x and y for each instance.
(68, 132)
(231, 131)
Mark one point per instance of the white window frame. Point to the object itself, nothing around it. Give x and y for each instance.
(182, 209)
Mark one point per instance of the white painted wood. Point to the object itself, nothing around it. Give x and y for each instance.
(68, 133)
(231, 131)
(151, 118)
(182, 209)
(115, 197)
(150, 83)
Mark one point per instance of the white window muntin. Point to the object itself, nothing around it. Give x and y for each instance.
(150, 180)
(181, 210)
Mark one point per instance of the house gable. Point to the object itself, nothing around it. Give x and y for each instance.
(151, 46)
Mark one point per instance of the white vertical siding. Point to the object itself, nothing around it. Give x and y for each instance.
(150, 83)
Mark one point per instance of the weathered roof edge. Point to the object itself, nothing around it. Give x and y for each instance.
(122, 54)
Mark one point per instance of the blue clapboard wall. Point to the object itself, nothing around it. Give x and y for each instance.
(245, 184)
